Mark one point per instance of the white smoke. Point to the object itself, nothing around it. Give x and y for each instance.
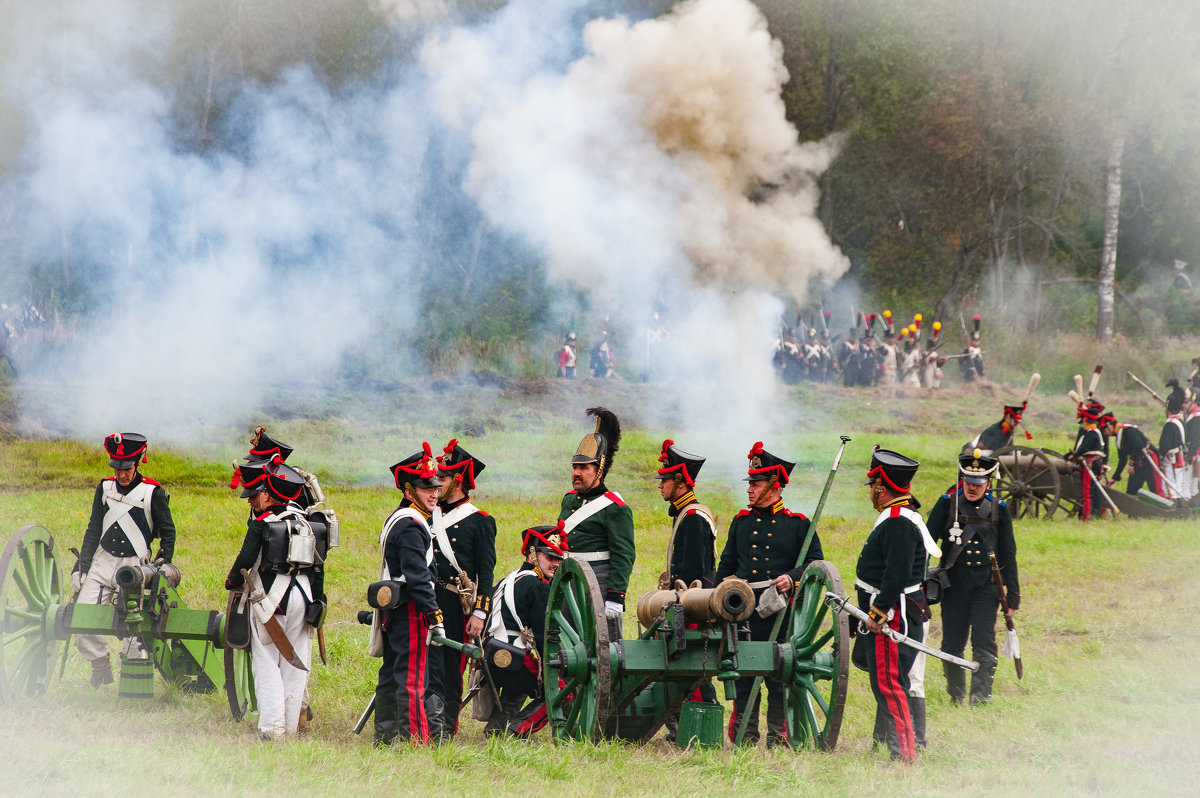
(646, 162)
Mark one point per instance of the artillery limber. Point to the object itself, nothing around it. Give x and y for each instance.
(37, 616)
(627, 689)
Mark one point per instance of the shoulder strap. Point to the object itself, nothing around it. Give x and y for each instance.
(700, 510)
(585, 512)
(443, 541)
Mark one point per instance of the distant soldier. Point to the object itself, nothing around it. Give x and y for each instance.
(1182, 282)
(826, 343)
(602, 358)
(1191, 436)
(909, 359)
(763, 547)
(888, 356)
(1091, 458)
(971, 362)
(1172, 443)
(516, 624)
(128, 512)
(811, 352)
(599, 524)
(407, 630)
(290, 579)
(971, 524)
(691, 552)
(998, 435)
(890, 571)
(931, 364)
(1134, 448)
(567, 358)
(847, 357)
(869, 357)
(464, 562)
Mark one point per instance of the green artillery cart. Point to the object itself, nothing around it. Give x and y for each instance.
(187, 646)
(627, 689)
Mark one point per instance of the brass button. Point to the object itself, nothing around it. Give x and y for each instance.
(754, 572)
(754, 558)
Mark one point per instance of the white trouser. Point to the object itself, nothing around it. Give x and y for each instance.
(278, 685)
(916, 674)
(1180, 479)
(100, 587)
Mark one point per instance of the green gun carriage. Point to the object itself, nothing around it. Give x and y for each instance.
(187, 646)
(599, 688)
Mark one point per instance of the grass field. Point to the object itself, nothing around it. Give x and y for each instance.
(1107, 706)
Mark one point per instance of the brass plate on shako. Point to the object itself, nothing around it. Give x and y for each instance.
(502, 658)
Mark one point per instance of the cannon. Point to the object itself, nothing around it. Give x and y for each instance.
(1037, 482)
(187, 646)
(598, 688)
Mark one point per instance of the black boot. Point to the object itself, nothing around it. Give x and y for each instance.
(672, 726)
(385, 721)
(776, 725)
(956, 682)
(916, 708)
(435, 713)
(879, 733)
(981, 681)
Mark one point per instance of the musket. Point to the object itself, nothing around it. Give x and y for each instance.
(1008, 622)
(964, 354)
(843, 604)
(756, 688)
(1146, 388)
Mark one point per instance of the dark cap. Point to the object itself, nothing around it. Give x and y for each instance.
(977, 467)
(418, 470)
(125, 448)
(896, 470)
(1092, 411)
(551, 540)
(764, 465)
(675, 461)
(1015, 410)
(281, 481)
(264, 447)
(457, 460)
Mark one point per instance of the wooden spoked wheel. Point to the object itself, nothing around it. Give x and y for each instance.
(29, 588)
(1028, 480)
(820, 638)
(577, 668)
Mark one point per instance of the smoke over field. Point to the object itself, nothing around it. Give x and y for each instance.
(237, 208)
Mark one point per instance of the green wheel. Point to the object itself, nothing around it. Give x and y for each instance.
(576, 663)
(29, 590)
(820, 637)
(239, 681)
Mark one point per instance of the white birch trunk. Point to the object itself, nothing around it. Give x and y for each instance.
(1108, 252)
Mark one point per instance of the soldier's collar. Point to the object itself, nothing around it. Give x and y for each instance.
(774, 509)
(599, 490)
(904, 501)
(683, 501)
(408, 503)
(133, 483)
(451, 505)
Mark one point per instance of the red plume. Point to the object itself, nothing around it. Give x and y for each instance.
(662, 458)
(757, 448)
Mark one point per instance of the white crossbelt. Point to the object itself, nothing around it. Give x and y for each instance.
(760, 585)
(586, 511)
(440, 523)
(119, 507)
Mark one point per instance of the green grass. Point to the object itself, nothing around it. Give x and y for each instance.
(1107, 705)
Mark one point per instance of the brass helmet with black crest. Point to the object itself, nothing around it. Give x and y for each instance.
(600, 447)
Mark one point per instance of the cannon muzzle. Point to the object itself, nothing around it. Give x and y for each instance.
(138, 577)
(732, 600)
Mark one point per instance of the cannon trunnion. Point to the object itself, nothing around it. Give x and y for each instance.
(627, 689)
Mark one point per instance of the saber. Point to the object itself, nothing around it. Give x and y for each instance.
(1146, 388)
(365, 716)
(756, 688)
(842, 604)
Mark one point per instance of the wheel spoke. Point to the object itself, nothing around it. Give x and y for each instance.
(573, 607)
(23, 613)
(41, 595)
(566, 627)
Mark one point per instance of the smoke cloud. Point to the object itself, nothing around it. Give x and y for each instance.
(247, 218)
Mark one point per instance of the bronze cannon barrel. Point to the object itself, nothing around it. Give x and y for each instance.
(732, 600)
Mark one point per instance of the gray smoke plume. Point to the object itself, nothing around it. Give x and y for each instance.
(649, 163)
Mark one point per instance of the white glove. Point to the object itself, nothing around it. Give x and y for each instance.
(613, 610)
(437, 629)
(77, 578)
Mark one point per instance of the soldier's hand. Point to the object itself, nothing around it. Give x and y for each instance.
(437, 630)
(783, 583)
(77, 578)
(613, 610)
(474, 626)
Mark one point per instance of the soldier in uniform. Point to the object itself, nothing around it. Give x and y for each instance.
(464, 559)
(290, 583)
(971, 524)
(407, 547)
(1091, 455)
(869, 360)
(1134, 448)
(1172, 443)
(847, 357)
(598, 522)
(567, 357)
(763, 547)
(128, 512)
(1000, 434)
(517, 623)
(972, 360)
(890, 572)
(889, 357)
(691, 553)
(931, 364)
(1191, 438)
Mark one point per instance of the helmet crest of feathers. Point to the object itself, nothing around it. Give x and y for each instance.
(601, 446)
